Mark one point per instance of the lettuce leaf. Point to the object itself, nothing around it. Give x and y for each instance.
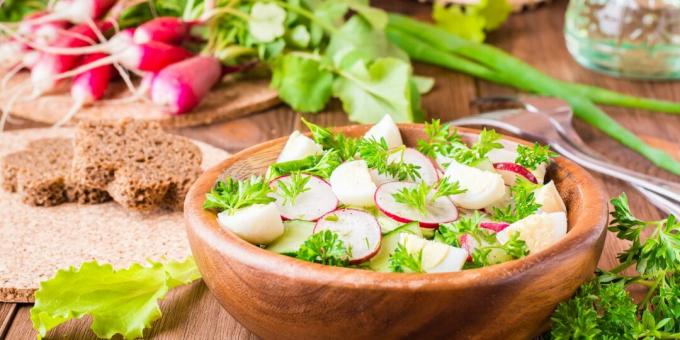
(471, 21)
(302, 82)
(119, 301)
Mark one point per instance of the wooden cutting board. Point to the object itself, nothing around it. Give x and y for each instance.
(37, 241)
(231, 99)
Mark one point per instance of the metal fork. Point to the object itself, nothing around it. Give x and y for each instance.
(544, 120)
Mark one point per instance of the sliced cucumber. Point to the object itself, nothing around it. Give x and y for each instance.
(427, 233)
(295, 233)
(386, 224)
(381, 261)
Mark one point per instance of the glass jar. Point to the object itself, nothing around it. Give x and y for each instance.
(628, 38)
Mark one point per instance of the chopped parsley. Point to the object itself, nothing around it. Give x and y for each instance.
(531, 157)
(420, 196)
(326, 248)
(296, 186)
(376, 154)
(523, 202)
(402, 261)
(230, 194)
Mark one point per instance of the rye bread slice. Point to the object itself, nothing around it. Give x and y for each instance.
(41, 173)
(36, 241)
(141, 166)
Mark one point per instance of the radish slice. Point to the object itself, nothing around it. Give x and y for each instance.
(495, 226)
(510, 171)
(428, 171)
(309, 205)
(386, 129)
(357, 229)
(442, 210)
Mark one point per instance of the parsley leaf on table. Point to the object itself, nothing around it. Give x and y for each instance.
(231, 194)
(531, 157)
(326, 248)
(402, 261)
(603, 307)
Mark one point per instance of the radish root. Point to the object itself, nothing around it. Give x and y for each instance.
(10, 74)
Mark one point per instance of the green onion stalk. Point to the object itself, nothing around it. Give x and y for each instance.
(429, 44)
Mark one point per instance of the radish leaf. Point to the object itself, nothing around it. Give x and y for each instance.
(266, 22)
(119, 301)
(369, 92)
(302, 82)
(471, 21)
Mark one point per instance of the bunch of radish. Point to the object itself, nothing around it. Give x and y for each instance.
(78, 40)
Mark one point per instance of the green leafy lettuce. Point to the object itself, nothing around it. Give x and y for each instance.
(471, 21)
(121, 301)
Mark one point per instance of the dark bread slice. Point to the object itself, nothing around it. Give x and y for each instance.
(41, 173)
(141, 166)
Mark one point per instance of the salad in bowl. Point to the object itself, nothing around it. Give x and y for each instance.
(373, 203)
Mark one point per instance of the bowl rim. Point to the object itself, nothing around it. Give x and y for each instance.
(203, 224)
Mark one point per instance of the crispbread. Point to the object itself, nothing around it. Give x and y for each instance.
(36, 241)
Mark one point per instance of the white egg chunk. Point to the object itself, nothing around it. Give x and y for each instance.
(549, 199)
(257, 224)
(297, 147)
(352, 184)
(386, 129)
(539, 231)
(482, 187)
(437, 257)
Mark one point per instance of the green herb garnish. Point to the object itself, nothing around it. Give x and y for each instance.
(603, 308)
(377, 154)
(523, 202)
(531, 157)
(345, 147)
(402, 261)
(420, 196)
(440, 139)
(230, 194)
(515, 248)
(296, 186)
(326, 248)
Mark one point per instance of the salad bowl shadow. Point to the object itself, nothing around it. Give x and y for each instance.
(280, 297)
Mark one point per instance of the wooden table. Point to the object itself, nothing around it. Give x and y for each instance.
(536, 36)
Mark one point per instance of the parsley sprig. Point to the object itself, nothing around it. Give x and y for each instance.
(377, 156)
(317, 165)
(231, 194)
(422, 194)
(296, 186)
(442, 142)
(325, 247)
(531, 157)
(523, 202)
(485, 240)
(346, 147)
(603, 307)
(402, 261)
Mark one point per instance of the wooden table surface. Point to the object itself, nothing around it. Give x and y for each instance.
(535, 36)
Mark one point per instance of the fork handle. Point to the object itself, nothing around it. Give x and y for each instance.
(668, 189)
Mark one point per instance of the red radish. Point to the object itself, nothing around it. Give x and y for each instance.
(510, 171)
(76, 11)
(495, 226)
(44, 33)
(88, 86)
(357, 229)
(181, 87)
(310, 205)
(45, 72)
(442, 210)
(169, 30)
(469, 244)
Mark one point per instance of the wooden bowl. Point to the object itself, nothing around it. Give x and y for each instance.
(280, 297)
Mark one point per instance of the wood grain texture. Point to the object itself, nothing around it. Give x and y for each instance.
(535, 36)
(272, 294)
